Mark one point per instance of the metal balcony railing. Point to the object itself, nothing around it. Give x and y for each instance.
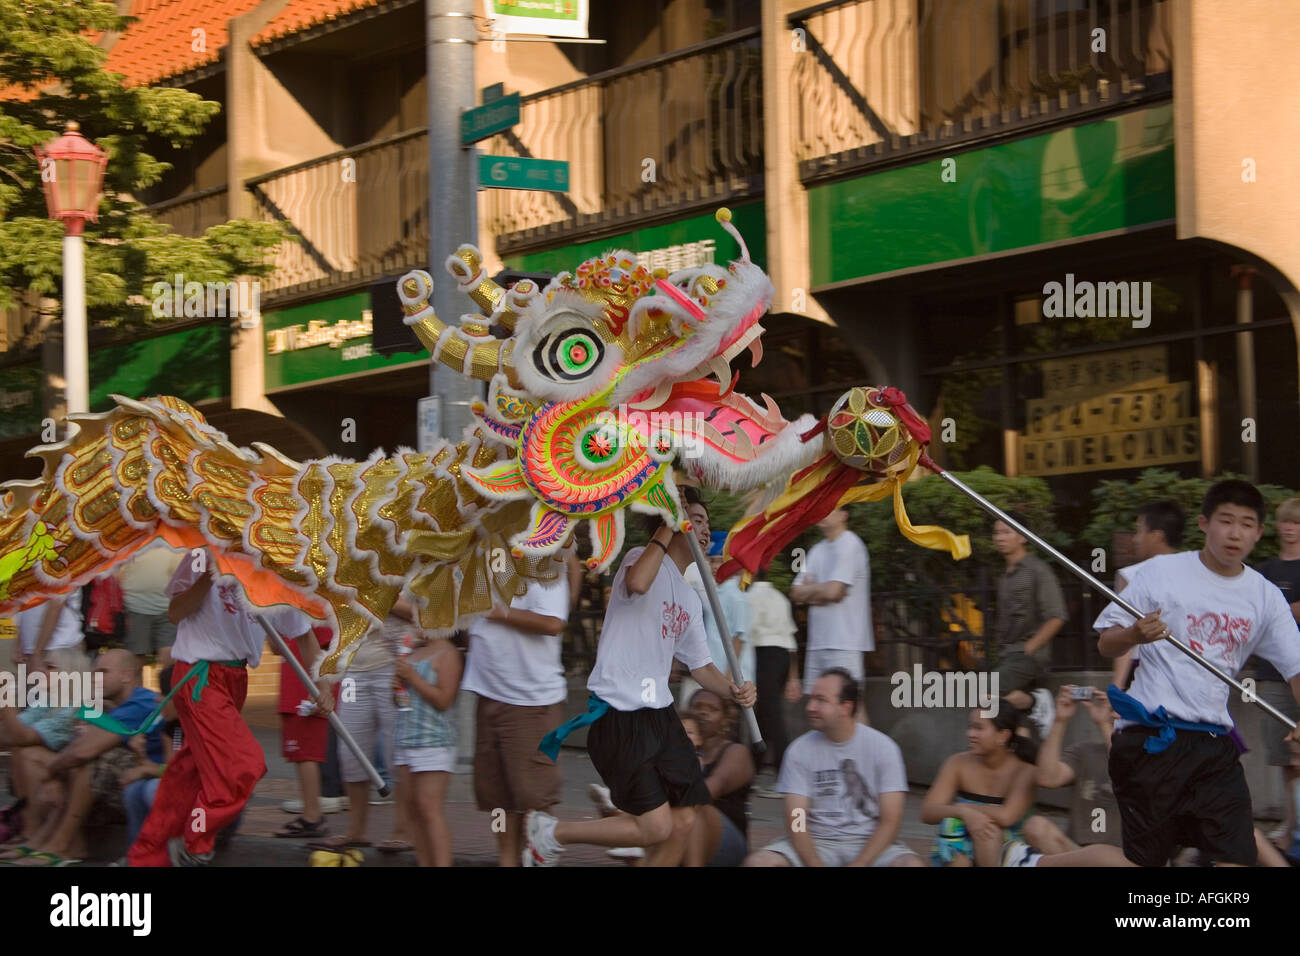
(358, 214)
(645, 141)
(877, 80)
(193, 213)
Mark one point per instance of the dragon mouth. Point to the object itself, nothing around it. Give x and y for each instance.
(713, 372)
(706, 413)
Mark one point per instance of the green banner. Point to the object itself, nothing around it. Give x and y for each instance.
(312, 343)
(193, 364)
(22, 400)
(676, 245)
(1092, 178)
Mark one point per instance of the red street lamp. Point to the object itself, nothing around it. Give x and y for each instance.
(72, 168)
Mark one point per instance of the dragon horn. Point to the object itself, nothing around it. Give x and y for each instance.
(466, 265)
(470, 350)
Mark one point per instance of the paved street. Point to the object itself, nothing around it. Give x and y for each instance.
(473, 841)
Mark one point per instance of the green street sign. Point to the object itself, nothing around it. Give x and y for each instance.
(489, 119)
(493, 93)
(514, 172)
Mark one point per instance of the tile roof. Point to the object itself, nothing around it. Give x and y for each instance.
(161, 42)
(301, 14)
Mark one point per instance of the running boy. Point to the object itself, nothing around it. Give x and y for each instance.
(211, 778)
(636, 741)
(1175, 770)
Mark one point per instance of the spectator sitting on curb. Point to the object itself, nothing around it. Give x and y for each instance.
(1094, 838)
(140, 783)
(719, 835)
(33, 736)
(89, 769)
(845, 787)
(981, 798)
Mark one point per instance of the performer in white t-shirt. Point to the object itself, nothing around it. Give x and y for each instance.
(212, 776)
(636, 741)
(836, 583)
(514, 668)
(1175, 770)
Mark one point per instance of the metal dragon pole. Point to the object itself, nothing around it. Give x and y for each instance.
(1080, 572)
(711, 587)
(349, 741)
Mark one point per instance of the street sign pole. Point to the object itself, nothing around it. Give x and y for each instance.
(450, 37)
(453, 201)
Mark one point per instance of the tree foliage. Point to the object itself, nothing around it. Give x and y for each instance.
(51, 73)
(1117, 503)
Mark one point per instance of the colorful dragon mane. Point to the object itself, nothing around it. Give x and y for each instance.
(606, 379)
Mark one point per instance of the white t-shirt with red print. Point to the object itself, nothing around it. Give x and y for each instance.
(641, 636)
(1223, 619)
(222, 628)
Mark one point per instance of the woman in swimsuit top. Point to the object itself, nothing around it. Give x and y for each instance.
(980, 798)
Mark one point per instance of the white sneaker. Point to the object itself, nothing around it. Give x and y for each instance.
(540, 847)
(626, 853)
(1019, 853)
(599, 795)
(327, 805)
(1043, 713)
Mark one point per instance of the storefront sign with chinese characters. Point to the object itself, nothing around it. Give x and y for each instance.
(689, 255)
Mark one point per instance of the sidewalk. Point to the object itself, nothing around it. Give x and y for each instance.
(473, 842)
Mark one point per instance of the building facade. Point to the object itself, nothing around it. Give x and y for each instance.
(1032, 217)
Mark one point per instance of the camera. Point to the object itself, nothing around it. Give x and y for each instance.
(1081, 693)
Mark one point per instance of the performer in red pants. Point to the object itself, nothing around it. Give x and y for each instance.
(211, 778)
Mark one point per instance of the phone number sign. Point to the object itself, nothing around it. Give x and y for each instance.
(1080, 426)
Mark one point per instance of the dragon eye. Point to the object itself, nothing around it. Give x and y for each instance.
(569, 355)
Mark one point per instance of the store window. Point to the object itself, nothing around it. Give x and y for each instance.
(1075, 380)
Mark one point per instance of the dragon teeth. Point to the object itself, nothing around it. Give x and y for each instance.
(719, 367)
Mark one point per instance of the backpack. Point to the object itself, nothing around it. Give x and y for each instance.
(103, 613)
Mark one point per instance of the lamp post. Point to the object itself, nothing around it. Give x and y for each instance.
(72, 169)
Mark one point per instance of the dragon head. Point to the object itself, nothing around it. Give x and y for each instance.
(610, 376)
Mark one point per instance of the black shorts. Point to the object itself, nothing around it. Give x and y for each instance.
(646, 760)
(1192, 794)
